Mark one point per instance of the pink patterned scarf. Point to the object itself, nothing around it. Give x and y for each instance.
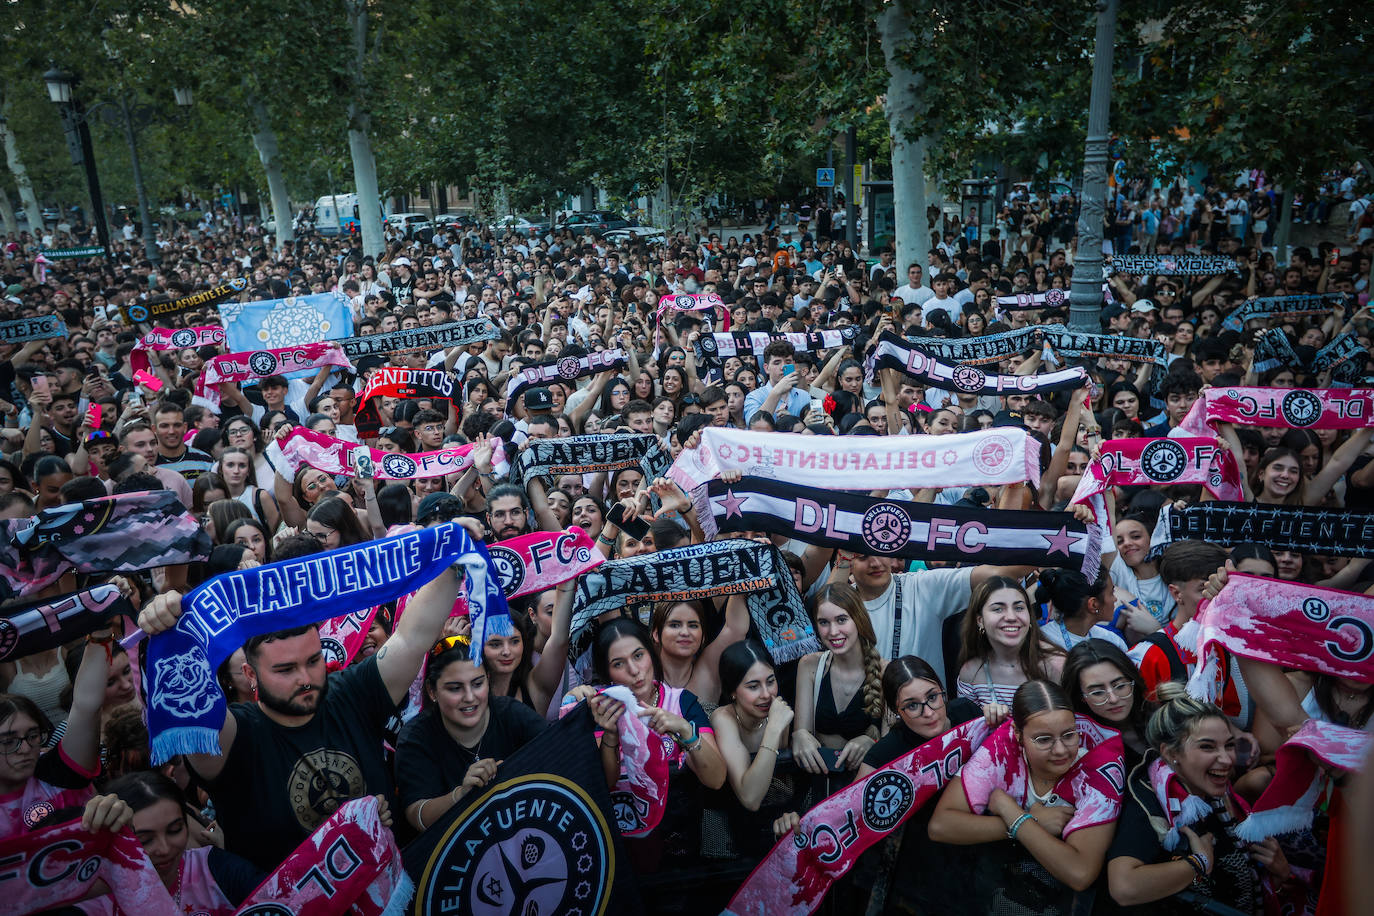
(794, 877)
(1146, 462)
(1291, 408)
(1181, 808)
(173, 339)
(1322, 630)
(234, 368)
(1093, 785)
(1290, 797)
(641, 794)
(338, 456)
(61, 864)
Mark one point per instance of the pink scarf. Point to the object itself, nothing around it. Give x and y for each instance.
(1292, 408)
(693, 302)
(234, 368)
(1287, 802)
(641, 792)
(350, 864)
(341, 637)
(1145, 462)
(1093, 785)
(794, 877)
(1181, 808)
(338, 456)
(173, 339)
(61, 864)
(1322, 630)
(532, 563)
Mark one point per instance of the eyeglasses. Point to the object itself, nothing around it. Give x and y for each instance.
(448, 642)
(934, 701)
(241, 431)
(34, 737)
(1046, 742)
(1100, 696)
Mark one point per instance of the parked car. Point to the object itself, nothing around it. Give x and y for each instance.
(51, 214)
(519, 224)
(459, 221)
(410, 223)
(630, 233)
(596, 222)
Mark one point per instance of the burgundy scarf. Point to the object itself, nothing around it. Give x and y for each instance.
(794, 877)
(399, 383)
(1147, 462)
(1291, 408)
(61, 864)
(167, 339)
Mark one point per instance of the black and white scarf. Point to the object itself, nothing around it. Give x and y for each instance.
(39, 327)
(730, 567)
(1049, 299)
(165, 306)
(1282, 308)
(1273, 349)
(1325, 532)
(447, 336)
(894, 352)
(545, 458)
(898, 528)
(565, 369)
(1168, 265)
(993, 348)
(52, 622)
(713, 349)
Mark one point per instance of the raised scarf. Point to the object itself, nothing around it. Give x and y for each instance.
(1093, 786)
(46, 868)
(127, 533)
(547, 458)
(1291, 408)
(235, 368)
(52, 622)
(350, 864)
(987, 457)
(447, 336)
(893, 352)
(562, 369)
(1281, 308)
(641, 791)
(399, 383)
(1291, 624)
(169, 339)
(338, 456)
(1287, 803)
(1326, 532)
(532, 563)
(795, 876)
(693, 302)
(713, 349)
(39, 327)
(1273, 349)
(185, 706)
(898, 528)
(341, 637)
(991, 348)
(1049, 299)
(1169, 265)
(165, 307)
(728, 567)
(1151, 462)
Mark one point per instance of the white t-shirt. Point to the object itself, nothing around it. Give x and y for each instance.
(1057, 633)
(918, 295)
(929, 598)
(1153, 592)
(948, 305)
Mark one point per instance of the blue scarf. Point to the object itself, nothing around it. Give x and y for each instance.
(185, 706)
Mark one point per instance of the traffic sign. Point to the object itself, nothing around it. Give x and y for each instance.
(825, 178)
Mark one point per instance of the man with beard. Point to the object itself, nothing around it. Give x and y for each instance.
(508, 512)
(312, 740)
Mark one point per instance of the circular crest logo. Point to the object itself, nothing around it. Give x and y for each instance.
(266, 909)
(1301, 408)
(138, 312)
(849, 332)
(1055, 297)
(992, 455)
(509, 567)
(398, 467)
(333, 650)
(262, 363)
(708, 343)
(887, 797)
(184, 338)
(9, 637)
(1163, 460)
(886, 528)
(969, 378)
(630, 812)
(567, 367)
(535, 844)
(36, 812)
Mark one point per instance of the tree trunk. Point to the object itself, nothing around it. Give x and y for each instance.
(7, 216)
(1285, 230)
(27, 198)
(908, 153)
(359, 143)
(265, 140)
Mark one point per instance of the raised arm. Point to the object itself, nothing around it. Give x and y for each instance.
(1340, 461)
(399, 660)
(548, 671)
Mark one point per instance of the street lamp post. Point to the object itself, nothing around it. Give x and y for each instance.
(60, 84)
(1085, 298)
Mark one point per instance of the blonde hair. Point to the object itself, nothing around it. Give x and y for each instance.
(848, 600)
(1177, 716)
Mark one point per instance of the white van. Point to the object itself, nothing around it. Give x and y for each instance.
(337, 214)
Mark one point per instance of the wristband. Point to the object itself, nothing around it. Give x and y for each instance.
(1016, 825)
(683, 742)
(1199, 863)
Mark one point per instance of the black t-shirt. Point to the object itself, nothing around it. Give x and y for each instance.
(902, 740)
(429, 762)
(235, 875)
(278, 784)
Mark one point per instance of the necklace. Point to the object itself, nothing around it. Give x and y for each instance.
(740, 723)
(176, 896)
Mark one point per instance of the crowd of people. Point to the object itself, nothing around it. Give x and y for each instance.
(1051, 658)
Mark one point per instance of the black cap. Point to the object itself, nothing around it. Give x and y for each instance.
(538, 399)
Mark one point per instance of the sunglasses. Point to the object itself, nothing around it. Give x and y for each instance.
(448, 642)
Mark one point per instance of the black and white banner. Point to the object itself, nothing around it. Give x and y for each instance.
(895, 352)
(713, 349)
(899, 528)
(566, 369)
(447, 336)
(1273, 349)
(993, 348)
(1168, 265)
(1282, 307)
(1324, 532)
(39, 327)
(545, 458)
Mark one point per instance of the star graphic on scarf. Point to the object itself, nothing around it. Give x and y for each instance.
(1061, 541)
(732, 503)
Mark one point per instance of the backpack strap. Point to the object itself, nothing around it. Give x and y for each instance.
(1178, 671)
